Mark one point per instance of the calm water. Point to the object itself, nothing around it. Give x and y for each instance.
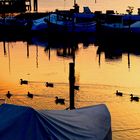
(101, 68)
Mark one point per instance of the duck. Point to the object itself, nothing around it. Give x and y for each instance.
(76, 87)
(23, 82)
(30, 95)
(49, 84)
(119, 93)
(134, 98)
(9, 94)
(59, 100)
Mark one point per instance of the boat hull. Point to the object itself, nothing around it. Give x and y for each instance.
(73, 28)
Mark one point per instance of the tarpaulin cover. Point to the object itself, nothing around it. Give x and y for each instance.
(25, 123)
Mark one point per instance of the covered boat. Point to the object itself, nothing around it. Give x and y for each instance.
(13, 25)
(71, 23)
(68, 21)
(115, 24)
(121, 23)
(39, 25)
(25, 123)
(135, 27)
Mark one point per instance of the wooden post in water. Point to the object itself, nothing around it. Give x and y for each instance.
(71, 84)
(4, 48)
(27, 50)
(128, 60)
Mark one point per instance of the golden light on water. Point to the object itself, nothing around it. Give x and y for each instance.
(98, 77)
(99, 74)
(38, 67)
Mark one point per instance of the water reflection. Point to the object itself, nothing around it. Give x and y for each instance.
(114, 46)
(63, 44)
(66, 46)
(118, 44)
(39, 59)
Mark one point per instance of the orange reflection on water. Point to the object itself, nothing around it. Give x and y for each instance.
(98, 76)
(16, 64)
(39, 67)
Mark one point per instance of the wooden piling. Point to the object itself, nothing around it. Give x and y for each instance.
(71, 85)
(27, 50)
(4, 47)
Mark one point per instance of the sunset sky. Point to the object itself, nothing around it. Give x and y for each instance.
(117, 5)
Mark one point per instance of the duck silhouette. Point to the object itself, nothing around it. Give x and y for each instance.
(119, 93)
(30, 95)
(49, 84)
(134, 98)
(23, 82)
(9, 94)
(59, 101)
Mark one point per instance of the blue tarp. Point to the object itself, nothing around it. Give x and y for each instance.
(25, 123)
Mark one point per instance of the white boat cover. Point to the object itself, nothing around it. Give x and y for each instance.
(136, 24)
(39, 24)
(135, 27)
(25, 123)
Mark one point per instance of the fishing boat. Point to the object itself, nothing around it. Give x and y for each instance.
(12, 24)
(114, 23)
(135, 27)
(71, 21)
(39, 25)
(117, 23)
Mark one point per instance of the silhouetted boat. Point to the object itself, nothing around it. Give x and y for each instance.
(9, 24)
(114, 23)
(69, 21)
(121, 23)
(135, 27)
(39, 25)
